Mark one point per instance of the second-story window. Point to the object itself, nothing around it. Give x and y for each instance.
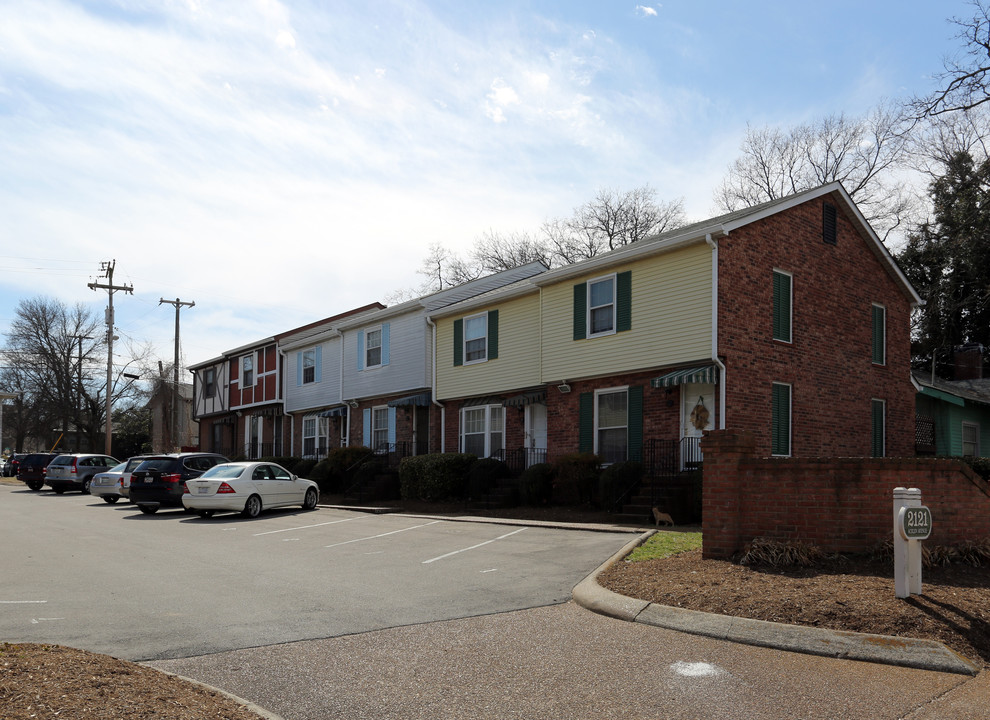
(247, 371)
(601, 306)
(476, 338)
(879, 335)
(309, 366)
(373, 348)
(209, 382)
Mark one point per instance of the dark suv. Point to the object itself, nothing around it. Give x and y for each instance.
(160, 480)
(31, 469)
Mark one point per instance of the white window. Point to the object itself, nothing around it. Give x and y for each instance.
(970, 440)
(601, 306)
(247, 371)
(315, 433)
(309, 366)
(483, 430)
(379, 428)
(612, 424)
(309, 437)
(476, 338)
(373, 348)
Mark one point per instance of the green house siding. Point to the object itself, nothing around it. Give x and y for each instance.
(949, 418)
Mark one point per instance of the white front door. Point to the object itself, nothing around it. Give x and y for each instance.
(536, 433)
(697, 415)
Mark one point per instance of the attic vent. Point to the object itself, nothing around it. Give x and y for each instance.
(828, 223)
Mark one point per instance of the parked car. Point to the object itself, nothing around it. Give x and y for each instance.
(111, 484)
(31, 469)
(75, 471)
(11, 463)
(160, 480)
(248, 488)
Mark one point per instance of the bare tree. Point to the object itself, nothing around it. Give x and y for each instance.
(443, 269)
(964, 82)
(494, 252)
(861, 153)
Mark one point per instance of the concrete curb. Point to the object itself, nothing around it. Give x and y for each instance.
(884, 649)
(250, 706)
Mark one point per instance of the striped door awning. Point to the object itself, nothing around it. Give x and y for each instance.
(707, 374)
(340, 411)
(419, 400)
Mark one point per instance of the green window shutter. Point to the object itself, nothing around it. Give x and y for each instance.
(781, 306)
(580, 311)
(877, 444)
(458, 342)
(635, 414)
(492, 334)
(879, 335)
(780, 420)
(586, 423)
(623, 300)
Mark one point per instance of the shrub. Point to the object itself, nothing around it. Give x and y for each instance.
(616, 479)
(577, 478)
(484, 474)
(321, 475)
(438, 476)
(536, 484)
(303, 467)
(342, 466)
(980, 465)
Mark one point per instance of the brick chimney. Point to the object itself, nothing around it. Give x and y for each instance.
(968, 361)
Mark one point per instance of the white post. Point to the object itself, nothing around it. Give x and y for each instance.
(907, 553)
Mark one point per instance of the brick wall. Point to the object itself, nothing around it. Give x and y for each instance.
(838, 504)
(828, 363)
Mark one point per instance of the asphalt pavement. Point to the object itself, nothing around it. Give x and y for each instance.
(600, 655)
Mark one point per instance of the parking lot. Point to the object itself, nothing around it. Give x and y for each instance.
(102, 577)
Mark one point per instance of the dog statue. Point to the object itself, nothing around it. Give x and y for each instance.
(662, 517)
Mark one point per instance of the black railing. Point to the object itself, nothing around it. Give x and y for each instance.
(665, 459)
(521, 458)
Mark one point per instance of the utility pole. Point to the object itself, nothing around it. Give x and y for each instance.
(107, 268)
(175, 365)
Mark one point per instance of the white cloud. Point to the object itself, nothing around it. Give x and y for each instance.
(646, 11)
(285, 40)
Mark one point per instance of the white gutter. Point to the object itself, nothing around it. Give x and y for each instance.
(433, 388)
(718, 363)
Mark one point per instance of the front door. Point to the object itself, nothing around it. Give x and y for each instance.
(697, 415)
(536, 434)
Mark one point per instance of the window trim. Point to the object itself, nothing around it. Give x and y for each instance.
(368, 348)
(209, 382)
(588, 307)
(882, 334)
(311, 353)
(790, 306)
(489, 451)
(464, 351)
(244, 371)
(596, 429)
(975, 426)
(380, 411)
(790, 419)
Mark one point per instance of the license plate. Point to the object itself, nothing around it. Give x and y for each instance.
(204, 490)
(147, 479)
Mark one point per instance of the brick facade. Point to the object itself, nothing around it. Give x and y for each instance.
(837, 504)
(828, 363)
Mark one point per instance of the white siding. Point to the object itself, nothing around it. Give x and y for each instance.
(410, 348)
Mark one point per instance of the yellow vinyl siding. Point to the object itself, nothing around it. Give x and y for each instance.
(671, 319)
(518, 362)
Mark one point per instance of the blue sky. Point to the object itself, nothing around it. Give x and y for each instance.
(280, 161)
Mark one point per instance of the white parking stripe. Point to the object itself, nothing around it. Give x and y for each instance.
(22, 602)
(373, 537)
(474, 547)
(306, 527)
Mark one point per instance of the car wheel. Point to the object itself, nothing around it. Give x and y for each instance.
(111, 499)
(59, 490)
(205, 513)
(34, 485)
(312, 497)
(86, 484)
(148, 509)
(252, 508)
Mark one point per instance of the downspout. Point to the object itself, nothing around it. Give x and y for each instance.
(347, 436)
(433, 388)
(718, 363)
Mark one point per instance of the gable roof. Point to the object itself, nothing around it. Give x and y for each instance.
(976, 391)
(723, 225)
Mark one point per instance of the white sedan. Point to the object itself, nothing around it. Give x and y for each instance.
(248, 488)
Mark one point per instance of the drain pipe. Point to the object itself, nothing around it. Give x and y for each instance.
(433, 388)
(718, 363)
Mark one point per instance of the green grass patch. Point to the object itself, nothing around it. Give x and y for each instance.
(665, 544)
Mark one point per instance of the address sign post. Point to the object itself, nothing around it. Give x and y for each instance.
(912, 524)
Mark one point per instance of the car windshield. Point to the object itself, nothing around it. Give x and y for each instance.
(225, 472)
(62, 460)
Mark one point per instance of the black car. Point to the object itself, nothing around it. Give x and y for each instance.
(161, 479)
(10, 466)
(31, 469)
